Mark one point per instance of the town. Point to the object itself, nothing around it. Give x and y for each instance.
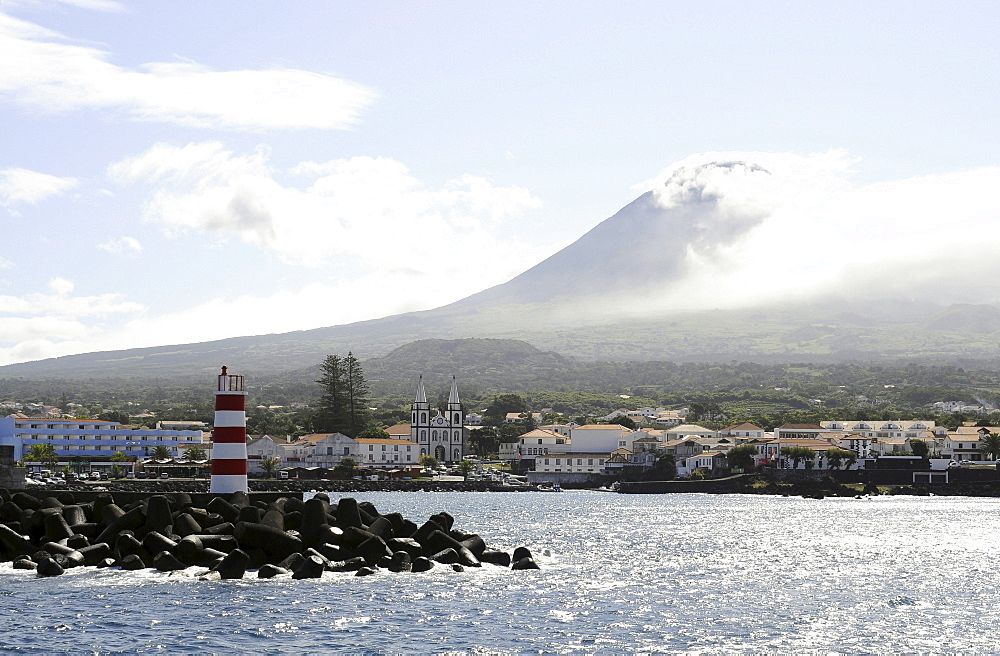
(638, 444)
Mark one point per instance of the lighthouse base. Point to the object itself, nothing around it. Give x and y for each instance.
(229, 483)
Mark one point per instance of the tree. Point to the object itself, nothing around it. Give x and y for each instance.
(373, 431)
(357, 395)
(194, 453)
(503, 404)
(991, 446)
(485, 440)
(665, 468)
(741, 456)
(346, 466)
(428, 461)
(798, 454)
(161, 452)
(919, 448)
(624, 420)
(465, 468)
(43, 453)
(270, 464)
(343, 407)
(838, 457)
(120, 456)
(117, 471)
(331, 417)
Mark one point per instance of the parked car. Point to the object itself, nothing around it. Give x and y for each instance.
(164, 475)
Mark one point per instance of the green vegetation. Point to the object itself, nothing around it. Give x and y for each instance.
(195, 453)
(346, 467)
(501, 376)
(270, 465)
(343, 406)
(42, 453)
(991, 446)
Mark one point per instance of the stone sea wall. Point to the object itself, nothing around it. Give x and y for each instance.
(228, 536)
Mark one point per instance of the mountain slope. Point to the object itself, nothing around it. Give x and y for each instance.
(629, 289)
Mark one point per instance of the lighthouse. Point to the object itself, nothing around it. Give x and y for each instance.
(229, 439)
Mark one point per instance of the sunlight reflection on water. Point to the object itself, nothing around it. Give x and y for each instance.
(622, 574)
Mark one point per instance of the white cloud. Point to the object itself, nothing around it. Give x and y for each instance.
(122, 245)
(24, 186)
(61, 304)
(44, 325)
(370, 210)
(776, 227)
(40, 70)
(61, 286)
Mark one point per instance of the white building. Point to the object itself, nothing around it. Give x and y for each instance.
(92, 439)
(260, 447)
(540, 442)
(387, 453)
(601, 438)
(574, 463)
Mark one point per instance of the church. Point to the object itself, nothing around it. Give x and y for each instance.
(443, 435)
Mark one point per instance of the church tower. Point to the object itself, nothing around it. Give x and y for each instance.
(443, 435)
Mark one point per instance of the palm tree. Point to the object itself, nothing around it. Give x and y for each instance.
(44, 453)
(270, 464)
(465, 467)
(194, 453)
(161, 452)
(991, 446)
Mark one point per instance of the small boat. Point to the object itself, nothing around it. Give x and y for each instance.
(556, 487)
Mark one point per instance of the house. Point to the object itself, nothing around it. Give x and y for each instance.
(798, 431)
(260, 447)
(708, 461)
(569, 462)
(540, 442)
(743, 432)
(601, 438)
(689, 430)
(387, 453)
(965, 443)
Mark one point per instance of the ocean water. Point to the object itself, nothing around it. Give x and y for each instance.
(620, 574)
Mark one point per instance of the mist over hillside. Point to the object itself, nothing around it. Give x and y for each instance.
(770, 258)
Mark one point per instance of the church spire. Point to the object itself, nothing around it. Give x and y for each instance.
(421, 395)
(453, 401)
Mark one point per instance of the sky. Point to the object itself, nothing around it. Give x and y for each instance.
(187, 171)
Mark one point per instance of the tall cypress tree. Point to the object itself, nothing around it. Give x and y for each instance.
(332, 414)
(357, 395)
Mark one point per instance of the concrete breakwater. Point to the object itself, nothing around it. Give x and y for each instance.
(290, 487)
(230, 535)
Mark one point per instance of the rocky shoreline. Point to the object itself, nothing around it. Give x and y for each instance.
(231, 535)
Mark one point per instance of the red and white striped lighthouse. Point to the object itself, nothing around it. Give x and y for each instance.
(229, 439)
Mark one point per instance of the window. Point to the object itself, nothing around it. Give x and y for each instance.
(347, 450)
(371, 447)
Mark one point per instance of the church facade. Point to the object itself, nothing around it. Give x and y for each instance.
(443, 434)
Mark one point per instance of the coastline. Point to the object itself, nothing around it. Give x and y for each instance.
(757, 484)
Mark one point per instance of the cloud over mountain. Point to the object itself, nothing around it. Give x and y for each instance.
(733, 229)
